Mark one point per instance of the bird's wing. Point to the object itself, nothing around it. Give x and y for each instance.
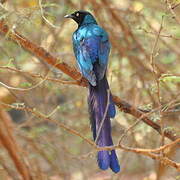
(84, 60)
(103, 55)
(93, 46)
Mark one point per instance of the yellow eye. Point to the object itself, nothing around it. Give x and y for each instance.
(77, 14)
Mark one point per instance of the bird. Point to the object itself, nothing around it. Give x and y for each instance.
(91, 47)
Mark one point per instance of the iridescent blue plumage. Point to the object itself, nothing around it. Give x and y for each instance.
(91, 44)
(91, 47)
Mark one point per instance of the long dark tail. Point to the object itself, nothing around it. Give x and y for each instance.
(101, 108)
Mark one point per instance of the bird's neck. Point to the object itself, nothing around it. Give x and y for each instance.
(88, 20)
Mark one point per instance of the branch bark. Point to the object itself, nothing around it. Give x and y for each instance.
(8, 141)
(42, 54)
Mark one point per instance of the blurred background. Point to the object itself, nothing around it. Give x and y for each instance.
(144, 70)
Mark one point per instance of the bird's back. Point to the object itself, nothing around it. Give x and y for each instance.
(91, 45)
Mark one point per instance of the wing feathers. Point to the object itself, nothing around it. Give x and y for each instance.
(91, 45)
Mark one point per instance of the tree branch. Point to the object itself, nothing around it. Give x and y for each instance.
(8, 141)
(42, 54)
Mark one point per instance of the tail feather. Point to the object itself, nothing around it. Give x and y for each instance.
(100, 123)
(112, 109)
(114, 165)
(103, 160)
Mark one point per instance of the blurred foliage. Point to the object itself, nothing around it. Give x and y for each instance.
(133, 32)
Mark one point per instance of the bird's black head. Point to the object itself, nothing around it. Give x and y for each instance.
(79, 17)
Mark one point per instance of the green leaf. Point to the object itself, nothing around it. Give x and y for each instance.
(25, 84)
(175, 79)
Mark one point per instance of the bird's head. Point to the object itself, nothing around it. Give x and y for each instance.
(81, 17)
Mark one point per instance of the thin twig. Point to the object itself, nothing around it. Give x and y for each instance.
(40, 76)
(47, 118)
(171, 9)
(156, 78)
(42, 14)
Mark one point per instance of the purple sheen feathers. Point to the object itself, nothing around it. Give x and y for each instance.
(112, 109)
(103, 159)
(97, 101)
(114, 164)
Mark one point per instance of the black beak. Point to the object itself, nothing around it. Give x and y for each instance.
(68, 16)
